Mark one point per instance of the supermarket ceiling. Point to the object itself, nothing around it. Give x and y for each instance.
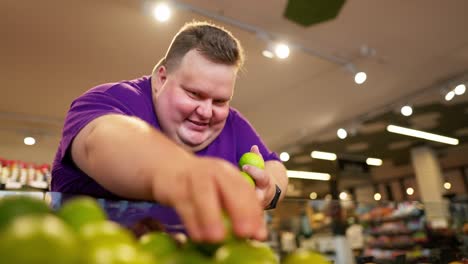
(412, 51)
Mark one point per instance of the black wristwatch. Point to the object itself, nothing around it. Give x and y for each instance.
(273, 202)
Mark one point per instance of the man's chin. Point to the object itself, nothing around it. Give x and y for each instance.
(193, 144)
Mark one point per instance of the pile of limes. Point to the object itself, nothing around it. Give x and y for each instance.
(79, 232)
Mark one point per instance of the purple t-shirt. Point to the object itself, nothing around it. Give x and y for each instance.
(133, 98)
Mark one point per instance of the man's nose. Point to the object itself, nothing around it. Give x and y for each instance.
(205, 109)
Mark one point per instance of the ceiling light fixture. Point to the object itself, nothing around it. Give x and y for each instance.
(284, 156)
(377, 196)
(313, 195)
(421, 134)
(307, 175)
(447, 185)
(406, 110)
(449, 96)
(410, 191)
(374, 162)
(268, 54)
(161, 12)
(343, 195)
(323, 155)
(29, 141)
(282, 50)
(360, 77)
(341, 133)
(460, 89)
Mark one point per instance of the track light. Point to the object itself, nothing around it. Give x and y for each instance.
(282, 50)
(460, 89)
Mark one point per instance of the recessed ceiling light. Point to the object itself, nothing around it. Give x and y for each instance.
(282, 51)
(29, 141)
(162, 12)
(410, 191)
(341, 133)
(360, 77)
(449, 96)
(406, 110)
(460, 89)
(284, 156)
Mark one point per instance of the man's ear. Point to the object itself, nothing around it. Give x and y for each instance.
(159, 78)
(161, 75)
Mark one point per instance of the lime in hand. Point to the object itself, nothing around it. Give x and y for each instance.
(251, 159)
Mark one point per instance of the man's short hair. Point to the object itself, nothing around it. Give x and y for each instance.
(213, 42)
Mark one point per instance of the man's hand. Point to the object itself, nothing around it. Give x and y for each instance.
(201, 189)
(264, 184)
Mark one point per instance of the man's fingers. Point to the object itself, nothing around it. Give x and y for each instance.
(208, 209)
(255, 150)
(187, 213)
(242, 205)
(260, 177)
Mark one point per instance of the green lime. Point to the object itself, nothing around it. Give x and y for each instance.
(80, 211)
(117, 253)
(252, 159)
(15, 206)
(105, 233)
(39, 239)
(159, 244)
(187, 256)
(245, 252)
(248, 178)
(305, 256)
(208, 249)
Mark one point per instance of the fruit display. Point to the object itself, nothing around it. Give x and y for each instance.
(79, 231)
(16, 174)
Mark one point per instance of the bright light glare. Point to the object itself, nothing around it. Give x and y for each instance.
(460, 89)
(341, 133)
(313, 195)
(309, 175)
(449, 96)
(284, 156)
(410, 191)
(421, 134)
(282, 51)
(343, 195)
(323, 155)
(268, 54)
(374, 161)
(447, 185)
(360, 77)
(162, 12)
(406, 110)
(29, 141)
(377, 196)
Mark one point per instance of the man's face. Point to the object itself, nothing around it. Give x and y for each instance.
(192, 102)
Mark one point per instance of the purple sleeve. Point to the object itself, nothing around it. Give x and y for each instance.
(249, 137)
(85, 109)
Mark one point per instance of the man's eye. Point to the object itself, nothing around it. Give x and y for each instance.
(219, 102)
(194, 94)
